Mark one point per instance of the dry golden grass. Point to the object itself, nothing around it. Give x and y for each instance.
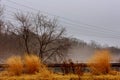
(15, 65)
(113, 72)
(38, 71)
(100, 62)
(34, 69)
(32, 64)
(61, 77)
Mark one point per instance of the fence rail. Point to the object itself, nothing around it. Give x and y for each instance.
(79, 64)
(66, 68)
(67, 65)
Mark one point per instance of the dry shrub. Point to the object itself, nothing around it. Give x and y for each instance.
(32, 64)
(100, 62)
(15, 65)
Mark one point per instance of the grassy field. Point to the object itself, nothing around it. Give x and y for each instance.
(38, 76)
(30, 67)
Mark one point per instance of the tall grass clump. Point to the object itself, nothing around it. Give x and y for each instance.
(32, 64)
(29, 64)
(100, 62)
(15, 65)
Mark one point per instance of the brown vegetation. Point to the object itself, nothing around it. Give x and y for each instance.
(31, 67)
(44, 37)
(100, 62)
(30, 64)
(15, 65)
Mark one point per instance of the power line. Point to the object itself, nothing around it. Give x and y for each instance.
(94, 35)
(65, 22)
(91, 34)
(72, 24)
(91, 26)
(18, 10)
(85, 34)
(81, 28)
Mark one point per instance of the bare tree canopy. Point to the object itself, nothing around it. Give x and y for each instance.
(48, 33)
(41, 35)
(24, 28)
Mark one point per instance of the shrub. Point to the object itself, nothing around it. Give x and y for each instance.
(15, 65)
(32, 64)
(100, 62)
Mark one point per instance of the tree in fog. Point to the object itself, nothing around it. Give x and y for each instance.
(42, 35)
(23, 29)
(49, 37)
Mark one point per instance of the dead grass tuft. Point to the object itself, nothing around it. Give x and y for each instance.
(32, 64)
(100, 62)
(15, 65)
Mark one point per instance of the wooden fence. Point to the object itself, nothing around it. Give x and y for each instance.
(61, 66)
(67, 65)
(79, 64)
(83, 66)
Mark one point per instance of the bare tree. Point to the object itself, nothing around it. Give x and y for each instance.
(62, 46)
(24, 28)
(43, 35)
(48, 36)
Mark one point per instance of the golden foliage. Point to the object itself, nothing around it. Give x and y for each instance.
(32, 64)
(15, 65)
(100, 62)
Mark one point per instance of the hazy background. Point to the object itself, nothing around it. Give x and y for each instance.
(88, 20)
(97, 20)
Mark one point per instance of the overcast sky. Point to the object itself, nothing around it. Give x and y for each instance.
(97, 20)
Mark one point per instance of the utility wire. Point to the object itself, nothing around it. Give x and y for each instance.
(85, 34)
(80, 32)
(54, 15)
(80, 28)
(90, 34)
(73, 24)
(91, 26)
